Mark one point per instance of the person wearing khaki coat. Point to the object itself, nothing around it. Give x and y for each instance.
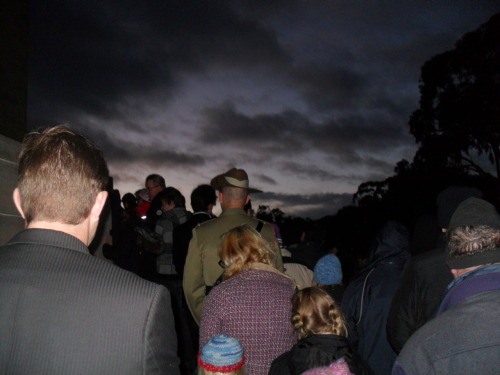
(202, 267)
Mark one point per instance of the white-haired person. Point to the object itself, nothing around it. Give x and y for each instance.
(253, 303)
(320, 327)
(464, 337)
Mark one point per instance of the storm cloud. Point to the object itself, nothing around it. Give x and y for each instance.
(311, 98)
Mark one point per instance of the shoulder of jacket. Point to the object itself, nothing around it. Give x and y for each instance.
(225, 288)
(161, 290)
(205, 224)
(255, 219)
(264, 224)
(125, 280)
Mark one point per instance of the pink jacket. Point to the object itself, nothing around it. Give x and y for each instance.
(253, 306)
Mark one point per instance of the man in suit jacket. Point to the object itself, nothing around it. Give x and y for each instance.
(202, 267)
(63, 311)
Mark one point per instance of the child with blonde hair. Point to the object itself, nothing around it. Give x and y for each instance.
(320, 327)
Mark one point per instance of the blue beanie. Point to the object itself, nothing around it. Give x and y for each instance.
(221, 354)
(328, 271)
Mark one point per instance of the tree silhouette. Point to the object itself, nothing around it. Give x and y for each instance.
(460, 102)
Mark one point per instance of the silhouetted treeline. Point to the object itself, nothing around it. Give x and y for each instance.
(457, 123)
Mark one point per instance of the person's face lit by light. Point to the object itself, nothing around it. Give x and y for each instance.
(153, 188)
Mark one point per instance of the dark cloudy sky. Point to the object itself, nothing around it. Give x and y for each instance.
(312, 98)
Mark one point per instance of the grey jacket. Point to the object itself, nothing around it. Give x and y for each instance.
(464, 339)
(63, 311)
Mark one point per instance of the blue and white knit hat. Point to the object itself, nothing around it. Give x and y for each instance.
(222, 354)
(328, 271)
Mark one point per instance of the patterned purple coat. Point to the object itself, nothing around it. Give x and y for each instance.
(255, 307)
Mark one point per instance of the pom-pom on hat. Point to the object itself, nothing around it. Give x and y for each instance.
(222, 354)
(328, 271)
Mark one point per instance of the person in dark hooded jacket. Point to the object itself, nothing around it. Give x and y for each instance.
(318, 322)
(367, 298)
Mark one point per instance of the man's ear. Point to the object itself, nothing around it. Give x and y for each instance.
(248, 199)
(16, 196)
(221, 197)
(99, 203)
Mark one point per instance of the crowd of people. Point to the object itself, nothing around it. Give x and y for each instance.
(192, 293)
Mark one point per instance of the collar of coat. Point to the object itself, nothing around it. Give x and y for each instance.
(267, 267)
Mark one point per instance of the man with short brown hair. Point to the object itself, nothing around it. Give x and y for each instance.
(63, 311)
(43, 193)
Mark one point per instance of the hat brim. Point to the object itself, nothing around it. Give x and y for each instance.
(219, 182)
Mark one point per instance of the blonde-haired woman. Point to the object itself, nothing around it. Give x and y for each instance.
(320, 327)
(252, 304)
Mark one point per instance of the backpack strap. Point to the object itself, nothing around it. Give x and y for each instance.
(208, 288)
(259, 226)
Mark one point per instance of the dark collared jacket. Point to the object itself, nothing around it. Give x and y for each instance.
(64, 311)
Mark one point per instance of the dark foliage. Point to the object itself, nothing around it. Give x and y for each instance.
(460, 102)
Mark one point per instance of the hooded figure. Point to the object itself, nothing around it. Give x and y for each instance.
(367, 298)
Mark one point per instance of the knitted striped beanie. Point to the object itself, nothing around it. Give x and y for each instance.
(222, 354)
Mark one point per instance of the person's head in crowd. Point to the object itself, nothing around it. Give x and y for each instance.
(170, 198)
(129, 201)
(328, 270)
(448, 200)
(473, 237)
(222, 355)
(203, 199)
(315, 312)
(143, 203)
(241, 247)
(233, 187)
(298, 231)
(154, 184)
(142, 196)
(62, 178)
